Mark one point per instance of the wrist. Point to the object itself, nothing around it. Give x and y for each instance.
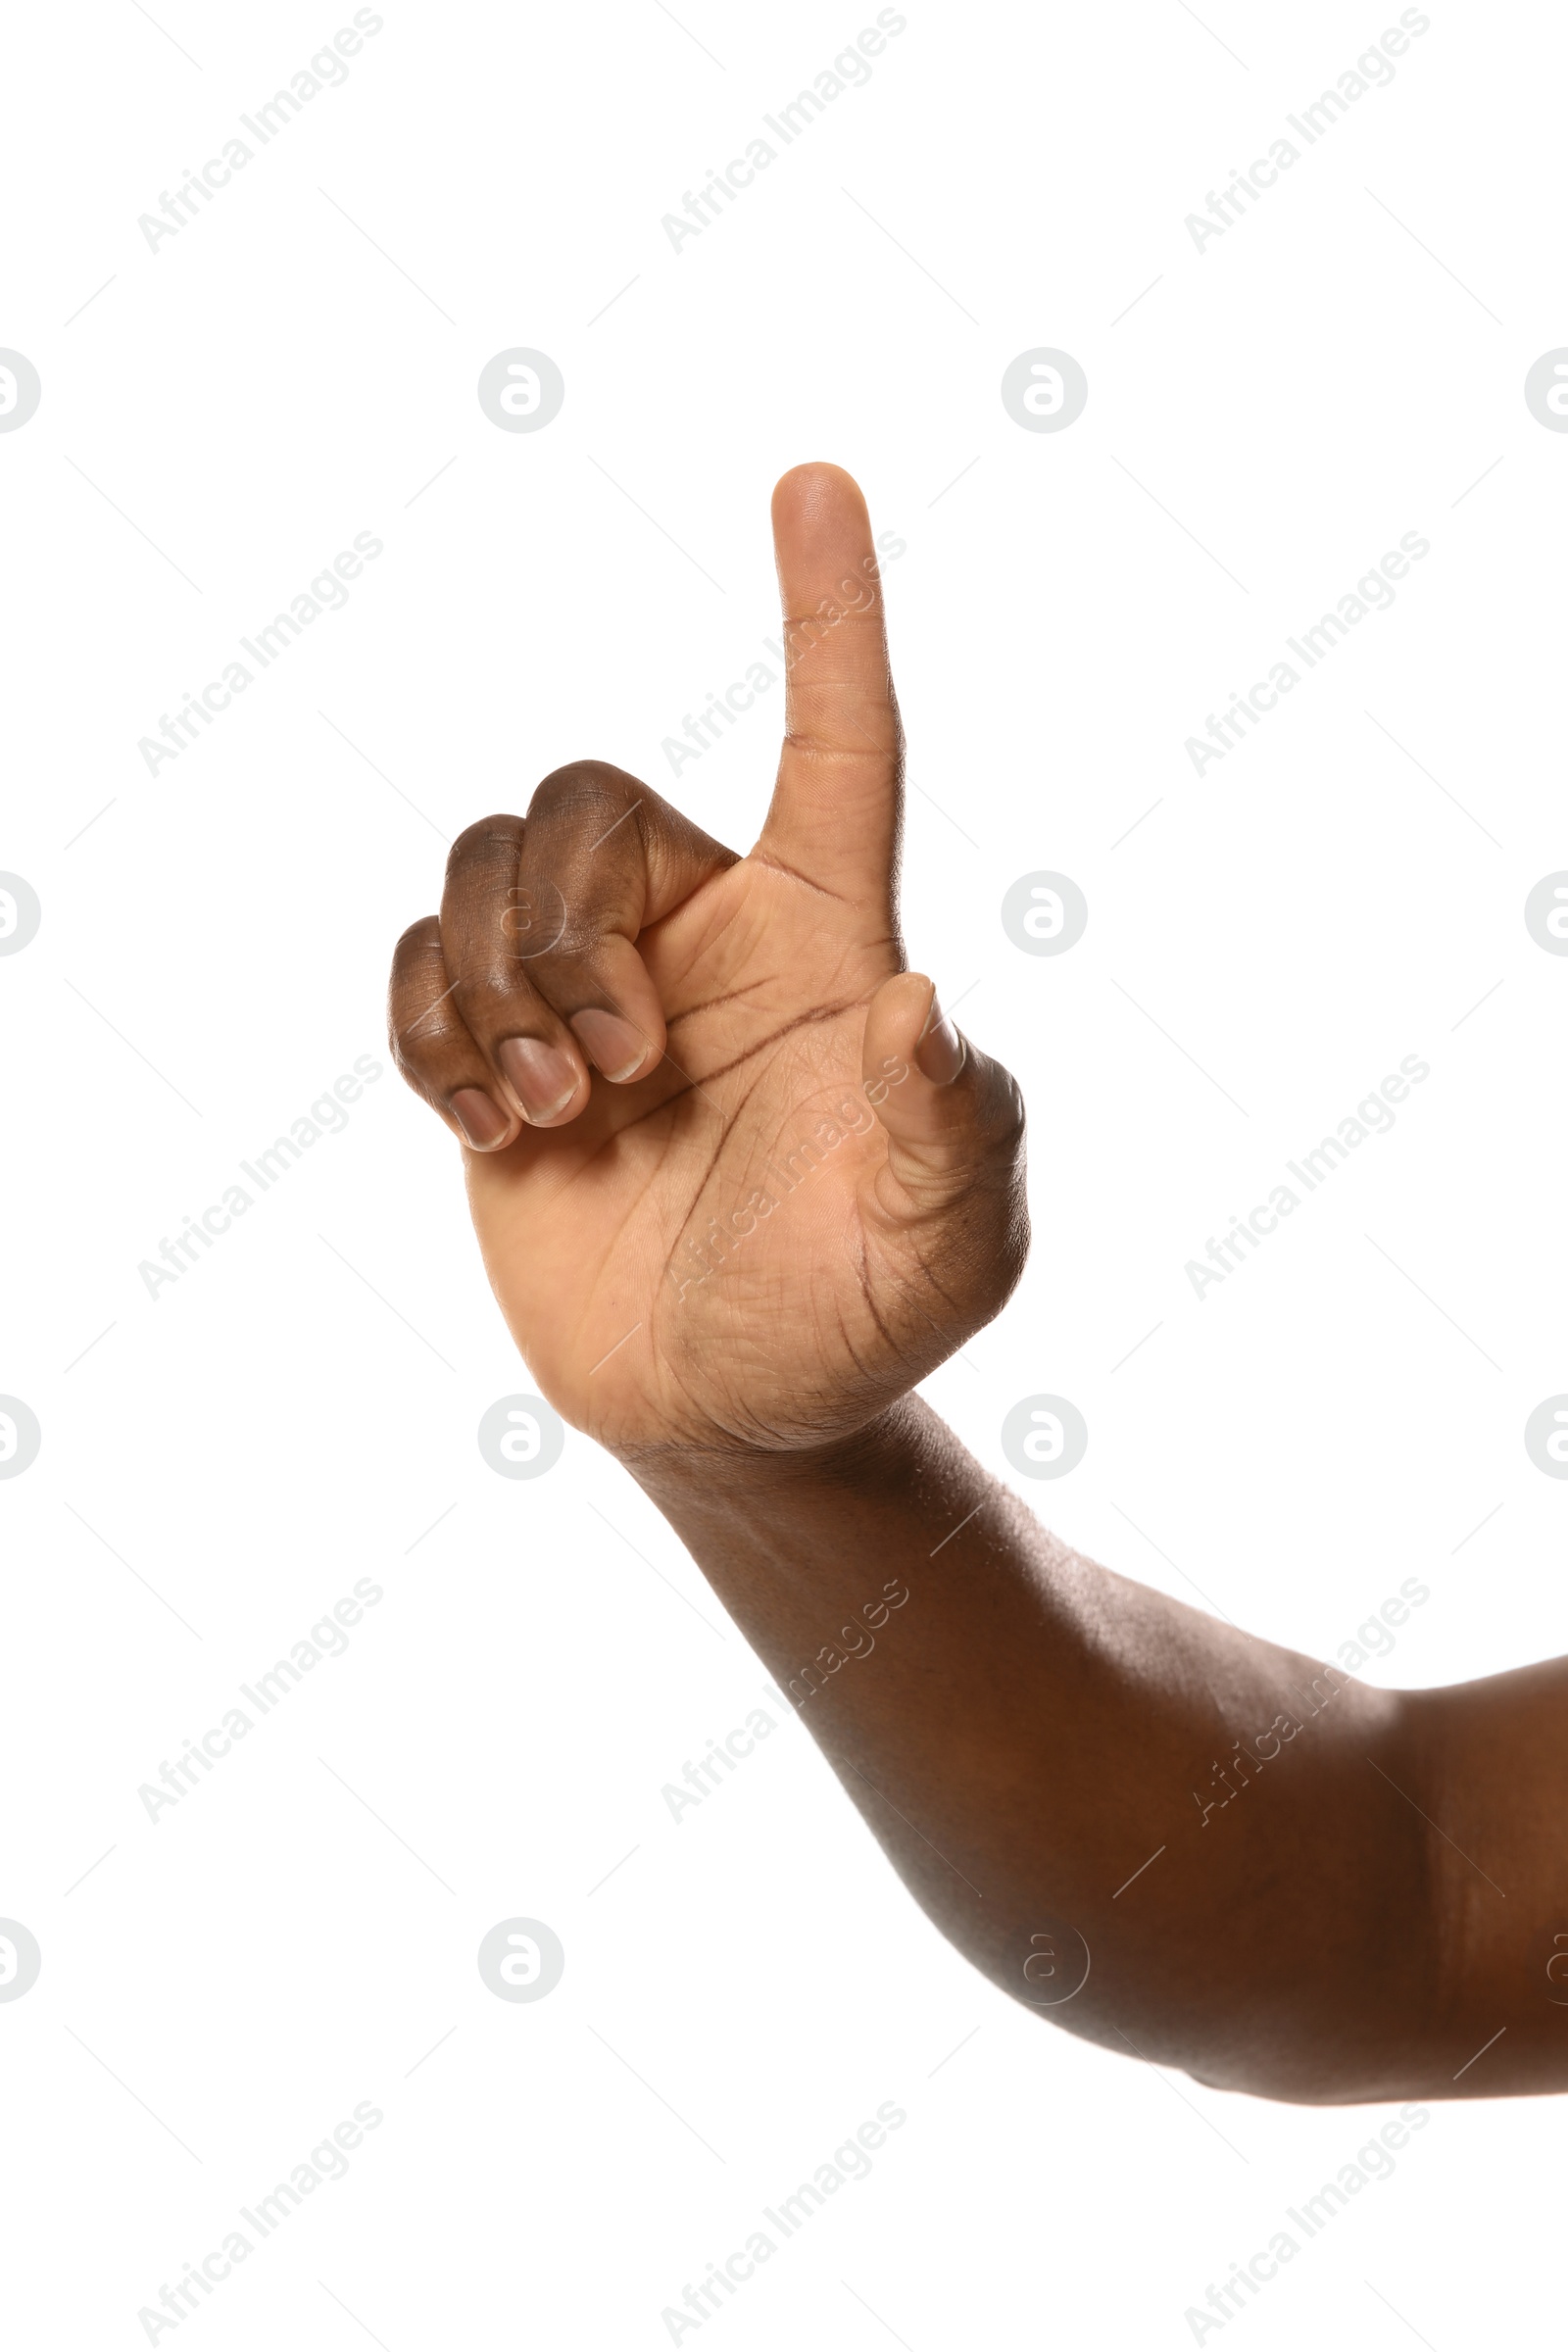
(726, 1475)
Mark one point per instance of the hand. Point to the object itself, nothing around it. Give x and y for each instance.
(791, 1188)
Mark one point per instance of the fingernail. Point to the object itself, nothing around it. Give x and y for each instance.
(610, 1043)
(482, 1121)
(940, 1049)
(545, 1078)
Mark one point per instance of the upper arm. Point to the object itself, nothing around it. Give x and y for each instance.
(1491, 1759)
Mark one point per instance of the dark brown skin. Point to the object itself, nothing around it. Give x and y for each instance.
(635, 1034)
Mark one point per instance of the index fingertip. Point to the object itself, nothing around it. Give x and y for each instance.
(812, 498)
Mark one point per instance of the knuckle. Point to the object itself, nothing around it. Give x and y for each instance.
(583, 790)
(420, 1032)
(581, 774)
(579, 937)
(483, 838)
(1000, 1106)
(412, 943)
(408, 1052)
(1012, 1117)
(488, 994)
(417, 1040)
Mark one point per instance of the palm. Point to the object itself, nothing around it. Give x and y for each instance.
(646, 1295)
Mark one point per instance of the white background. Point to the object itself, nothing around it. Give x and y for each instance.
(221, 1465)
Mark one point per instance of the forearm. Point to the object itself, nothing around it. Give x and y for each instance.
(1025, 1730)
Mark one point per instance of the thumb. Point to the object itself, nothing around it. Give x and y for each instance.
(953, 1120)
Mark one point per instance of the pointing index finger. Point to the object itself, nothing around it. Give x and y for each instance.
(835, 812)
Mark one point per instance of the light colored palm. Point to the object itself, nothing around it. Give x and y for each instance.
(813, 1317)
